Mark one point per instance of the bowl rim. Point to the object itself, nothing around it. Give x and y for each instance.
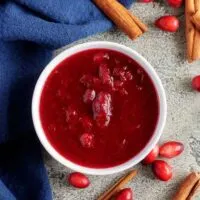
(99, 45)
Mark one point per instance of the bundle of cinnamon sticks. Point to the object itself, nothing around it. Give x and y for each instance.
(192, 14)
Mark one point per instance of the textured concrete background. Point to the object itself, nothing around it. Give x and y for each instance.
(166, 52)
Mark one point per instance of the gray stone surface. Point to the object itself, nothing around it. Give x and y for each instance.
(166, 52)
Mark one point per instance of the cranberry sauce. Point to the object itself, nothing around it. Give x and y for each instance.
(99, 108)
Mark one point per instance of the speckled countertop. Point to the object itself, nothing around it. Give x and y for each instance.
(166, 53)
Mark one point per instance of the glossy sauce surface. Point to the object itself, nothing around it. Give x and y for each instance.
(126, 104)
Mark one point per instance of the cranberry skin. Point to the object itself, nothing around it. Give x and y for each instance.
(151, 157)
(196, 83)
(171, 149)
(102, 109)
(168, 23)
(125, 194)
(162, 170)
(87, 140)
(175, 3)
(100, 57)
(78, 180)
(89, 96)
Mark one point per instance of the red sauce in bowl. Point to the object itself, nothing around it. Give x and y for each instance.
(99, 108)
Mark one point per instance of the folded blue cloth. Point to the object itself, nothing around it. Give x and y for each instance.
(29, 31)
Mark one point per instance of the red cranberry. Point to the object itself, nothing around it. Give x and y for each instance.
(87, 140)
(162, 170)
(89, 96)
(171, 149)
(151, 157)
(196, 83)
(124, 194)
(168, 23)
(78, 180)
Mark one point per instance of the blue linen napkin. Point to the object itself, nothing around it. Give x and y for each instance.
(29, 31)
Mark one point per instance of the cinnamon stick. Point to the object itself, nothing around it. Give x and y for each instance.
(118, 186)
(196, 19)
(196, 48)
(195, 192)
(192, 31)
(187, 186)
(127, 22)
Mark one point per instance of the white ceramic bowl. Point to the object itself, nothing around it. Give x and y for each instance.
(143, 63)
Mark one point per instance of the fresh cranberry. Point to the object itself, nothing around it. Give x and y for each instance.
(171, 149)
(168, 23)
(100, 57)
(162, 170)
(196, 83)
(86, 122)
(89, 96)
(78, 180)
(102, 108)
(175, 3)
(87, 140)
(124, 194)
(152, 155)
(104, 74)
